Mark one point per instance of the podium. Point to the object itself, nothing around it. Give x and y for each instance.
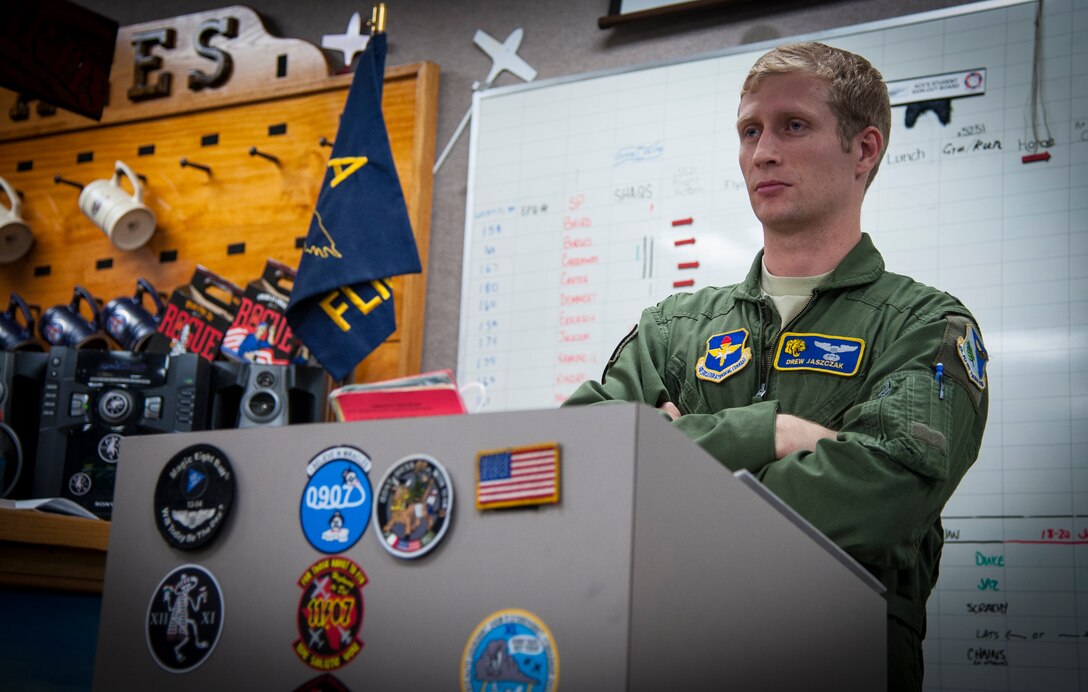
(657, 569)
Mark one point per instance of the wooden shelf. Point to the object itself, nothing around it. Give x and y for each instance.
(52, 551)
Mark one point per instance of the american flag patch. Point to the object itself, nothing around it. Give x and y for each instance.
(517, 476)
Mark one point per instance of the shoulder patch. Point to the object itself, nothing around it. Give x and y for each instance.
(964, 356)
(835, 355)
(973, 355)
(619, 349)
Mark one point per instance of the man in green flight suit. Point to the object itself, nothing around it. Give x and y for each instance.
(857, 395)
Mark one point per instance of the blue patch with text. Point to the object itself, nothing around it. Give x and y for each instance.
(337, 502)
(726, 354)
(836, 355)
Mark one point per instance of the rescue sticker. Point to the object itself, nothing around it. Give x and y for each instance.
(726, 354)
(974, 356)
(836, 355)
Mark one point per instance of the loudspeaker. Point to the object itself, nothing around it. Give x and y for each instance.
(250, 395)
(91, 399)
(21, 376)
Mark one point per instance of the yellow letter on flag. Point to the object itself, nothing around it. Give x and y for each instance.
(344, 167)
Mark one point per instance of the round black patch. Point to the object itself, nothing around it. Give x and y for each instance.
(184, 618)
(193, 496)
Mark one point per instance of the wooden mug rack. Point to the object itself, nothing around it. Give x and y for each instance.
(231, 172)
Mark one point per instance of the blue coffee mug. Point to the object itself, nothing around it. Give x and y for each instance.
(15, 336)
(128, 321)
(63, 325)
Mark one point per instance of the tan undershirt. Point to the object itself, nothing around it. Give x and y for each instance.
(789, 293)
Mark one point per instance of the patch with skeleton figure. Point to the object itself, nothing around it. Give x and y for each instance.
(412, 506)
(184, 618)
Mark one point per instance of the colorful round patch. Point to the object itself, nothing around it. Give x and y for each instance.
(184, 618)
(412, 511)
(330, 613)
(510, 650)
(193, 496)
(336, 504)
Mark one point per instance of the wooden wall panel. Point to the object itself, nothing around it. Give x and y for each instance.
(204, 219)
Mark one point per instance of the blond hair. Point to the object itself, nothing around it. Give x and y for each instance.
(856, 91)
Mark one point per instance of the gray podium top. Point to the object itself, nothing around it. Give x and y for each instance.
(657, 569)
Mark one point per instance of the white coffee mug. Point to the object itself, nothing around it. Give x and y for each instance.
(124, 218)
(15, 235)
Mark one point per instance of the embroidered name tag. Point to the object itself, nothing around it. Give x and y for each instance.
(838, 355)
(725, 355)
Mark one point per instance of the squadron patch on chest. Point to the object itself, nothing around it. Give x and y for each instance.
(726, 354)
(837, 355)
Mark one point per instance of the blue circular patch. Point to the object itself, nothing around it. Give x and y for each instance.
(336, 504)
(511, 649)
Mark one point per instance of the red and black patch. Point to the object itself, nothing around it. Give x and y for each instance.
(330, 613)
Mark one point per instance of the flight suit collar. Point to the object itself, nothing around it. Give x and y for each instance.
(862, 265)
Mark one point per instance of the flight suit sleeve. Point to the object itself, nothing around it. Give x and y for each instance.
(904, 446)
(641, 370)
(633, 373)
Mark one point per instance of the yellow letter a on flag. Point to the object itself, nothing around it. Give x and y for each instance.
(344, 167)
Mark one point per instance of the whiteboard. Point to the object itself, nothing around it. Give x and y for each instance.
(592, 197)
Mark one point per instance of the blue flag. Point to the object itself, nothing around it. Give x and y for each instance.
(341, 304)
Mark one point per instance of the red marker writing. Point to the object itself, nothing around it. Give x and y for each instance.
(1032, 158)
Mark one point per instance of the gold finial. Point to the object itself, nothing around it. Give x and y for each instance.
(377, 19)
